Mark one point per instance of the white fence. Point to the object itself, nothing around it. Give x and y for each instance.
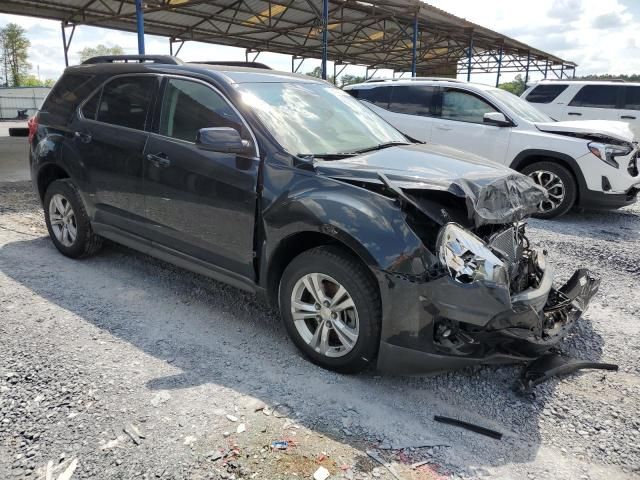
(13, 100)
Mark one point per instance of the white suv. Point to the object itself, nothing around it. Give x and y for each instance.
(583, 163)
(588, 100)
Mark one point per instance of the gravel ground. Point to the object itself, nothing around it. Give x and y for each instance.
(121, 366)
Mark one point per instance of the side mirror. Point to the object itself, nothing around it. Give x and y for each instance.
(496, 118)
(222, 139)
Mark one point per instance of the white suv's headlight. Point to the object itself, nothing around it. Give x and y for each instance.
(608, 153)
(468, 258)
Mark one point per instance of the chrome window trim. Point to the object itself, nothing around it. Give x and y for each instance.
(256, 147)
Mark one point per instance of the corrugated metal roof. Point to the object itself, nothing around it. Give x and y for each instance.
(377, 33)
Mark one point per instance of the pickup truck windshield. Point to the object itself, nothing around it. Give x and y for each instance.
(317, 119)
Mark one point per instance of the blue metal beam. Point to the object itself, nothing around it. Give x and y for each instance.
(140, 26)
(499, 65)
(414, 57)
(469, 56)
(325, 37)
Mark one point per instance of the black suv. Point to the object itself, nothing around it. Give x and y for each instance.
(371, 245)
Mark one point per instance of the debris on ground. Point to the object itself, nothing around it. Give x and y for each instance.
(232, 418)
(321, 474)
(376, 456)
(241, 428)
(469, 426)
(280, 445)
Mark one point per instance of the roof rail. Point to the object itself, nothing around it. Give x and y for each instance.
(163, 59)
(440, 79)
(236, 64)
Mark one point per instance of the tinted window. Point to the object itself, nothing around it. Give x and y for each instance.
(67, 94)
(125, 101)
(414, 100)
(90, 107)
(464, 107)
(596, 96)
(631, 98)
(545, 93)
(379, 96)
(189, 106)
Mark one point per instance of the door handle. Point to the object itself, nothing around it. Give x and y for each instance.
(575, 114)
(159, 160)
(628, 117)
(83, 137)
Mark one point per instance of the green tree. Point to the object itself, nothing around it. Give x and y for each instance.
(317, 73)
(14, 47)
(517, 86)
(87, 52)
(33, 81)
(351, 80)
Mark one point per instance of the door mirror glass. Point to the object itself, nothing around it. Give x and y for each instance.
(496, 118)
(222, 139)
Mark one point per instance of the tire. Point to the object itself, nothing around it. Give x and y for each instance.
(562, 181)
(60, 195)
(333, 267)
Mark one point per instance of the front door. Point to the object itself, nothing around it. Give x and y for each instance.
(109, 138)
(201, 203)
(461, 125)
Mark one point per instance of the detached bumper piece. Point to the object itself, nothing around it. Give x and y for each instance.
(553, 365)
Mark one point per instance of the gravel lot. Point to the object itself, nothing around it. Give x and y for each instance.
(121, 366)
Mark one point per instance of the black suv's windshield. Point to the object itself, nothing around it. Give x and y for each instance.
(314, 119)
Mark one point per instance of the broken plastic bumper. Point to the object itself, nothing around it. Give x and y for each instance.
(454, 325)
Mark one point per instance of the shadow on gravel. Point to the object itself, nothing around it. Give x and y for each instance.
(602, 224)
(215, 334)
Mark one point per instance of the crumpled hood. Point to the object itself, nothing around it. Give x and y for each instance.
(602, 129)
(493, 193)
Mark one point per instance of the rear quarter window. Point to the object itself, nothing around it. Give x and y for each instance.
(545, 93)
(631, 98)
(379, 96)
(66, 95)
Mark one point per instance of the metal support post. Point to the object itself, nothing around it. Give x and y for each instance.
(140, 26)
(325, 37)
(469, 56)
(66, 44)
(499, 64)
(414, 55)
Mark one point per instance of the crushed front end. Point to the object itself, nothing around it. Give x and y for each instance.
(487, 298)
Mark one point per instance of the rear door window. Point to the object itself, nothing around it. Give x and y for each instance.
(189, 106)
(379, 96)
(126, 101)
(545, 93)
(596, 96)
(464, 107)
(631, 98)
(418, 100)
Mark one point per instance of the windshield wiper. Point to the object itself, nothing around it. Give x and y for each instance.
(326, 156)
(380, 146)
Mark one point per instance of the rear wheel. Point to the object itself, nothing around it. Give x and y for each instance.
(67, 221)
(331, 308)
(559, 184)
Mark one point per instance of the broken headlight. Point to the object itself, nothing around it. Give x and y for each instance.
(608, 153)
(468, 258)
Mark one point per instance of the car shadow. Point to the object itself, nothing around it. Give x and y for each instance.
(215, 334)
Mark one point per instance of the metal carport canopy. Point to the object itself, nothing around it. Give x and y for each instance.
(378, 33)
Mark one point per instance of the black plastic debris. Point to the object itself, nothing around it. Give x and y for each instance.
(469, 426)
(554, 365)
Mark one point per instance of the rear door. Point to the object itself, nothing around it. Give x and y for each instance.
(594, 102)
(545, 97)
(109, 137)
(461, 125)
(412, 108)
(201, 203)
(630, 111)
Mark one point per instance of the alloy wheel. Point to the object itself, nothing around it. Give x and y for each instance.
(324, 315)
(554, 186)
(63, 220)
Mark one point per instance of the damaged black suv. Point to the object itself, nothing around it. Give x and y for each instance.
(372, 246)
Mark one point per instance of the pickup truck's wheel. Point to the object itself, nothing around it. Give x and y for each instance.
(331, 309)
(67, 221)
(559, 184)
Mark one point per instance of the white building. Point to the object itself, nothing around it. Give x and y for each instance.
(15, 99)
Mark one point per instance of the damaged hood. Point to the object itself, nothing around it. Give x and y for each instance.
(590, 129)
(493, 193)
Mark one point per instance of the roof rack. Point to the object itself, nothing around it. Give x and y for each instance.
(236, 64)
(162, 59)
(440, 79)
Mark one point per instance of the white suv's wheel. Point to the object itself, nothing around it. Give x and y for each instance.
(559, 184)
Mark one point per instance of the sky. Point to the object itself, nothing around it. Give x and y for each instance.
(600, 35)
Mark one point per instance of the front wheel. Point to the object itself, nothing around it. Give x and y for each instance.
(559, 184)
(330, 306)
